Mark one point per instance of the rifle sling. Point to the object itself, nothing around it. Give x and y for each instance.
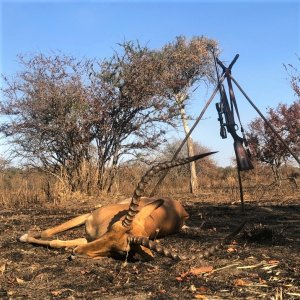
(233, 102)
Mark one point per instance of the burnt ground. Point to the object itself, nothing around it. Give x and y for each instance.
(262, 263)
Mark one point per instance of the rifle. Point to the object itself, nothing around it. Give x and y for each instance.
(243, 156)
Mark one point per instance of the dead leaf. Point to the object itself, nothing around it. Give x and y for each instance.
(262, 281)
(19, 281)
(201, 270)
(202, 289)
(273, 262)
(231, 249)
(2, 269)
(242, 282)
(193, 288)
(199, 296)
(56, 293)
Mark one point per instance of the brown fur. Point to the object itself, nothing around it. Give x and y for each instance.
(105, 234)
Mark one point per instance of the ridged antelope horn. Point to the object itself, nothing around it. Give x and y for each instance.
(210, 251)
(132, 211)
(144, 241)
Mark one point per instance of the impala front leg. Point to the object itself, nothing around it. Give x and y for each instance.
(25, 238)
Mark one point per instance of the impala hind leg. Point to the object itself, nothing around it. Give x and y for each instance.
(80, 220)
(36, 238)
(75, 222)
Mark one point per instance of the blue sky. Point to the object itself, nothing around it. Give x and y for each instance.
(266, 34)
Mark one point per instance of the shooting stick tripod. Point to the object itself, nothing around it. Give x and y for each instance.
(226, 75)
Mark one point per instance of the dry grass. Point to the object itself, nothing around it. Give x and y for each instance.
(29, 188)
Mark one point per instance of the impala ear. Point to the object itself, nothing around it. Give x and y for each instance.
(147, 210)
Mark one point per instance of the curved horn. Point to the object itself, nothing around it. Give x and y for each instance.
(132, 211)
(210, 251)
(144, 241)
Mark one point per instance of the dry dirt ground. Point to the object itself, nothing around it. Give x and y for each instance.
(261, 263)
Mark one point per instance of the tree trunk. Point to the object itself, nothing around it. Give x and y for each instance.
(190, 149)
(277, 173)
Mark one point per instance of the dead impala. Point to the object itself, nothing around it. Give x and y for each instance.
(116, 229)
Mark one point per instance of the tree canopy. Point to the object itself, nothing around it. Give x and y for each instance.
(265, 146)
(61, 113)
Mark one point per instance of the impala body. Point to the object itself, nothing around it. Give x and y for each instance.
(124, 227)
(105, 235)
(158, 218)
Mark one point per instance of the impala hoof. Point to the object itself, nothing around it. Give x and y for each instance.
(24, 238)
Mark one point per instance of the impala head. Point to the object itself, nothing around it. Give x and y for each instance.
(128, 233)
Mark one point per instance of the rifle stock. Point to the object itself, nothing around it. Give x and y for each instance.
(242, 157)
